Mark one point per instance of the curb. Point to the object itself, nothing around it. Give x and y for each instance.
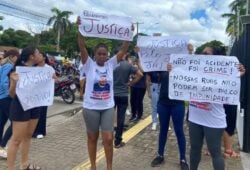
(73, 110)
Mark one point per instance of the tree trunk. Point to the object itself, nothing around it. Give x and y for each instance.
(58, 40)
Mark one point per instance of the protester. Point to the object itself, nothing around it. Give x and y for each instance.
(207, 120)
(6, 66)
(153, 89)
(167, 108)
(40, 130)
(121, 84)
(98, 104)
(137, 93)
(23, 122)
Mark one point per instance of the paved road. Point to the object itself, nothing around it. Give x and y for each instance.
(64, 147)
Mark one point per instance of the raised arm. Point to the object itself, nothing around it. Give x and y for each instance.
(81, 44)
(124, 48)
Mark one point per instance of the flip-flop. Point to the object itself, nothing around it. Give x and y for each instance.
(231, 154)
(32, 167)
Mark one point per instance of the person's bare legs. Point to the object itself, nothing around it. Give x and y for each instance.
(25, 144)
(115, 118)
(92, 147)
(19, 130)
(228, 146)
(107, 138)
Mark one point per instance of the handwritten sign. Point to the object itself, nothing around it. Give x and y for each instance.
(106, 26)
(203, 78)
(155, 51)
(35, 86)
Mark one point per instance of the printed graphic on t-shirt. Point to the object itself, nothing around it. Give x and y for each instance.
(202, 106)
(101, 89)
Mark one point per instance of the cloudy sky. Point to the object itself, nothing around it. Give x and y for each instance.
(200, 19)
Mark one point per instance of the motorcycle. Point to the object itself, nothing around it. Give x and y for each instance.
(65, 88)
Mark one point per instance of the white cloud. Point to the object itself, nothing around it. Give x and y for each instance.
(172, 16)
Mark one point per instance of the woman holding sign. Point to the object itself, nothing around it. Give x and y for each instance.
(98, 104)
(207, 120)
(23, 122)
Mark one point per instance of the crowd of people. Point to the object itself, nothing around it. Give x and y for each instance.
(108, 84)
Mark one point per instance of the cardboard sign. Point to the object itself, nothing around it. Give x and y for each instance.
(35, 86)
(155, 51)
(204, 78)
(106, 26)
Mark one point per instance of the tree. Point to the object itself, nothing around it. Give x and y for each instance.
(60, 22)
(232, 24)
(213, 43)
(1, 27)
(18, 38)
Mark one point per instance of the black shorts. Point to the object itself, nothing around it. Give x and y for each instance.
(231, 116)
(19, 115)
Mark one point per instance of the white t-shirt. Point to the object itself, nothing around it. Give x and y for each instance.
(207, 114)
(99, 93)
(82, 73)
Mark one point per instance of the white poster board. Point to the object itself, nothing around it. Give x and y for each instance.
(204, 78)
(105, 26)
(155, 51)
(35, 86)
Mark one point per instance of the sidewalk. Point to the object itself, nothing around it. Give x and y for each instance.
(65, 147)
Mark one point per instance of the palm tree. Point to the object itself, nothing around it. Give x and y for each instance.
(1, 27)
(61, 23)
(232, 23)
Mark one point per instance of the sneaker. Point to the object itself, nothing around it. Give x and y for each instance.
(184, 165)
(40, 136)
(120, 145)
(3, 153)
(128, 112)
(157, 161)
(154, 126)
(132, 119)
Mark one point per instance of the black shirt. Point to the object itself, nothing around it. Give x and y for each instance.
(154, 76)
(163, 98)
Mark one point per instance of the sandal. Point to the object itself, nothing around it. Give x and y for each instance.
(231, 154)
(32, 167)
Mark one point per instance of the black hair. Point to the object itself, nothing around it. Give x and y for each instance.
(25, 54)
(219, 50)
(100, 45)
(46, 58)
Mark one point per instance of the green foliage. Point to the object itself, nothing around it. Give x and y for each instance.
(18, 38)
(232, 22)
(1, 27)
(46, 48)
(61, 23)
(213, 43)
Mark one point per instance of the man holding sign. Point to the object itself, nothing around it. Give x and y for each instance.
(208, 83)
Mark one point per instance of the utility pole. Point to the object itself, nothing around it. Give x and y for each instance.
(137, 26)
